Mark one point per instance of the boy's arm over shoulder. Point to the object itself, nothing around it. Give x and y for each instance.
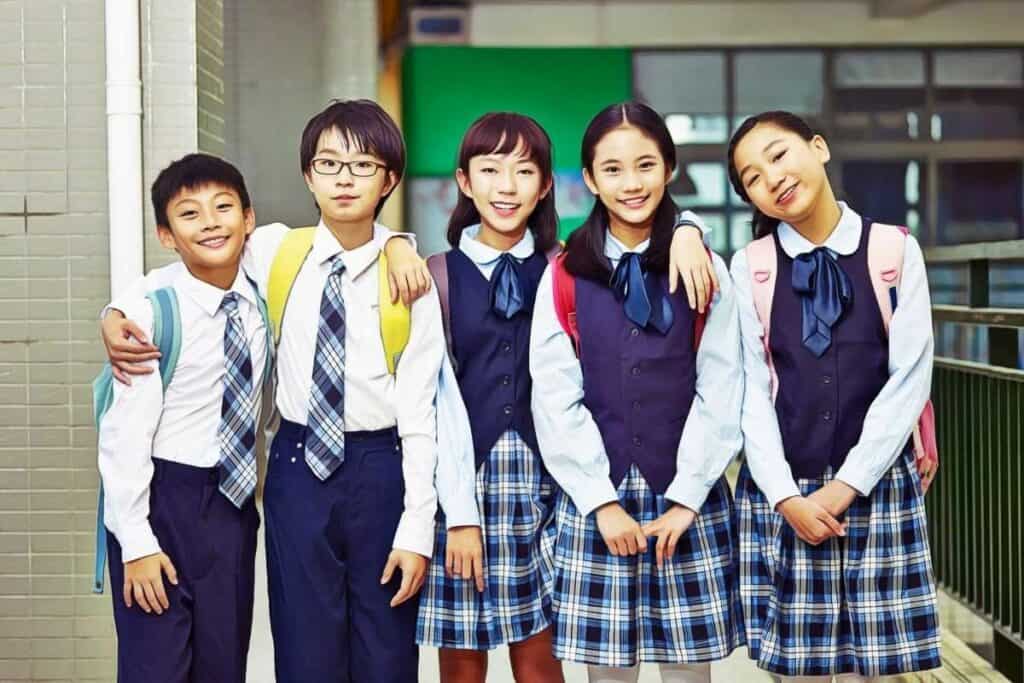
(260, 249)
(415, 390)
(125, 449)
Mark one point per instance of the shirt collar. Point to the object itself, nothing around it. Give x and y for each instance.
(614, 249)
(209, 297)
(326, 246)
(843, 240)
(483, 255)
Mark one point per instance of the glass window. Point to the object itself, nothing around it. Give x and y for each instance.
(719, 237)
(698, 184)
(979, 94)
(879, 95)
(879, 69)
(980, 201)
(740, 231)
(688, 88)
(887, 191)
(790, 80)
(979, 68)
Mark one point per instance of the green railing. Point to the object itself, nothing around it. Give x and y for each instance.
(976, 506)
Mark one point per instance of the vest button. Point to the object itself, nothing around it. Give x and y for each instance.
(634, 332)
(827, 379)
(636, 405)
(506, 380)
(636, 441)
(506, 347)
(635, 372)
(508, 410)
(827, 415)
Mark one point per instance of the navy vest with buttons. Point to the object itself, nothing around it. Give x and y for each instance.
(822, 402)
(637, 384)
(492, 354)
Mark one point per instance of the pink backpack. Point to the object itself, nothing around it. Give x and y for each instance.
(886, 244)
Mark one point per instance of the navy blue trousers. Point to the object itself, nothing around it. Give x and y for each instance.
(327, 544)
(204, 636)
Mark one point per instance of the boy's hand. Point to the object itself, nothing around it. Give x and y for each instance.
(689, 260)
(143, 579)
(464, 554)
(835, 496)
(621, 532)
(127, 347)
(407, 272)
(811, 522)
(413, 567)
(669, 528)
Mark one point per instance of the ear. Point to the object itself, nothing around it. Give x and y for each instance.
(462, 180)
(589, 180)
(309, 180)
(166, 236)
(390, 183)
(547, 188)
(821, 149)
(250, 221)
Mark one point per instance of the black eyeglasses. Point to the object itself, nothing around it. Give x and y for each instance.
(360, 169)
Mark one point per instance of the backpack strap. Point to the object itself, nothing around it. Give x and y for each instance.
(552, 253)
(563, 286)
(762, 261)
(437, 264)
(285, 267)
(167, 337)
(886, 246)
(395, 317)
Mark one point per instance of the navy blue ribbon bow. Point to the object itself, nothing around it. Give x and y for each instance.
(507, 294)
(644, 300)
(825, 292)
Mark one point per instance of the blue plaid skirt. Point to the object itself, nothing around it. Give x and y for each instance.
(618, 611)
(516, 498)
(862, 604)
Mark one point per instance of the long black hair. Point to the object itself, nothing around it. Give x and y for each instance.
(585, 248)
(501, 133)
(762, 224)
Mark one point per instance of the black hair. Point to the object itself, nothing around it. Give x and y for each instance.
(501, 133)
(585, 248)
(762, 224)
(364, 125)
(190, 173)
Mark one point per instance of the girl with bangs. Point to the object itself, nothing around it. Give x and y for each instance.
(636, 419)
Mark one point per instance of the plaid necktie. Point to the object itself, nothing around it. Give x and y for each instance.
(325, 434)
(237, 430)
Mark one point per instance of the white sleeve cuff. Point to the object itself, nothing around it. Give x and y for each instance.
(778, 491)
(415, 535)
(137, 540)
(688, 491)
(602, 494)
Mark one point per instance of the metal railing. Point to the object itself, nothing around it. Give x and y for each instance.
(976, 506)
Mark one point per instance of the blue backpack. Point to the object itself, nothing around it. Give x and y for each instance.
(167, 337)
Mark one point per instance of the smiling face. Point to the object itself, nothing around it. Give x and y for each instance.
(505, 189)
(350, 194)
(208, 227)
(629, 176)
(782, 173)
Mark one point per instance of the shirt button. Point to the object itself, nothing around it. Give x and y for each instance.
(636, 405)
(506, 347)
(293, 458)
(827, 415)
(635, 372)
(506, 380)
(298, 445)
(634, 332)
(827, 379)
(508, 410)
(636, 441)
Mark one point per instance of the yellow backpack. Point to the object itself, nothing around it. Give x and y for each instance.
(394, 317)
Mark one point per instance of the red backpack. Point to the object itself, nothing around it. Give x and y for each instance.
(886, 244)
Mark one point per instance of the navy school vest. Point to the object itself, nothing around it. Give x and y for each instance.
(492, 354)
(637, 384)
(822, 402)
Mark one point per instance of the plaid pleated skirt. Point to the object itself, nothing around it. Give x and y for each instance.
(618, 611)
(862, 604)
(516, 498)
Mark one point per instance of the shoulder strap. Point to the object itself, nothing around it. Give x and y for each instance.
(762, 262)
(886, 245)
(701, 320)
(552, 253)
(167, 337)
(437, 264)
(395, 318)
(563, 286)
(288, 260)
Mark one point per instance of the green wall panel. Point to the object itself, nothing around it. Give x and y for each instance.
(446, 88)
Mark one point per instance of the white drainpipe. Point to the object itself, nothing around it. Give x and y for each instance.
(124, 142)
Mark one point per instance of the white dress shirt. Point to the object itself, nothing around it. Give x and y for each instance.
(894, 412)
(456, 467)
(569, 439)
(143, 422)
(374, 399)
